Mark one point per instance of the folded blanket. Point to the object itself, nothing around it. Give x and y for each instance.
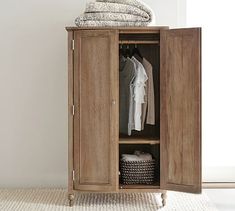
(108, 23)
(137, 157)
(120, 17)
(115, 13)
(127, 157)
(134, 3)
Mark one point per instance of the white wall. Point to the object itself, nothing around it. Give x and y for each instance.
(218, 76)
(33, 86)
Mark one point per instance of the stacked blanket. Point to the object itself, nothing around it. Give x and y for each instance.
(137, 156)
(115, 13)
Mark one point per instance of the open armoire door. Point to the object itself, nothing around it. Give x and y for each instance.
(180, 126)
(96, 110)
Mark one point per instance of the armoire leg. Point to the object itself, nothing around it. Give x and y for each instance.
(71, 199)
(164, 196)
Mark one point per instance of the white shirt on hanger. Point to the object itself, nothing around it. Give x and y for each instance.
(139, 93)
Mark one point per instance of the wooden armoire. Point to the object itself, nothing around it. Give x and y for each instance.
(95, 144)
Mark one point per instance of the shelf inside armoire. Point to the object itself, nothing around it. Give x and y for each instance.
(138, 141)
(125, 139)
(139, 42)
(155, 185)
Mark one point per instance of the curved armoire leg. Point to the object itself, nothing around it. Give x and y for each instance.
(71, 198)
(164, 196)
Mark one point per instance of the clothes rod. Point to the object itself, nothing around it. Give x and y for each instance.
(138, 42)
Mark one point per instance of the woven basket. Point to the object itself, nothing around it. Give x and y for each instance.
(137, 172)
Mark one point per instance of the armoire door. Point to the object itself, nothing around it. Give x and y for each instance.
(96, 110)
(180, 111)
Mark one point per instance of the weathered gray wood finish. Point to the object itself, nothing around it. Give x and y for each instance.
(94, 128)
(180, 127)
(96, 110)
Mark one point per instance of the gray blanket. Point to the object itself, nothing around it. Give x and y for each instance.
(115, 13)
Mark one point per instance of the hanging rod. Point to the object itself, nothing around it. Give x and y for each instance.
(138, 42)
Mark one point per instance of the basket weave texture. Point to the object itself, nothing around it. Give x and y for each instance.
(137, 172)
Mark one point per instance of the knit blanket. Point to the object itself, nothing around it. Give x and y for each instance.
(115, 13)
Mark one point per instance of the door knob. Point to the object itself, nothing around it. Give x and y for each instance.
(113, 102)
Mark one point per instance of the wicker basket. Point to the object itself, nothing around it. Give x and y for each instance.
(137, 172)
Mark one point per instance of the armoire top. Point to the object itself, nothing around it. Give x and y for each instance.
(146, 28)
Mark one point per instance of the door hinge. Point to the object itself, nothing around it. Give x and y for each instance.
(72, 44)
(73, 110)
(73, 175)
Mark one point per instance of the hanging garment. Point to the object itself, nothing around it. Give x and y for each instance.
(148, 108)
(131, 121)
(126, 77)
(139, 93)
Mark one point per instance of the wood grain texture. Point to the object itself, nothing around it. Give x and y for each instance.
(138, 141)
(94, 134)
(144, 189)
(180, 130)
(70, 115)
(153, 186)
(96, 110)
(139, 190)
(138, 42)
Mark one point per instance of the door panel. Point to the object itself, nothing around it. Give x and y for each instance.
(180, 131)
(96, 110)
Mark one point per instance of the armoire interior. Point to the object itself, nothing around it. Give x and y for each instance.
(147, 140)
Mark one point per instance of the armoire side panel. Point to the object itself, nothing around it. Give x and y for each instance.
(96, 110)
(70, 113)
(180, 131)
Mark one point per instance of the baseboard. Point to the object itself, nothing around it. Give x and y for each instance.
(216, 185)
